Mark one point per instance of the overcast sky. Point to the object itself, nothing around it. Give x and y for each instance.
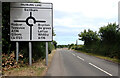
(73, 16)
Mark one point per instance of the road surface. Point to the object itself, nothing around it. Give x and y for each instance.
(70, 63)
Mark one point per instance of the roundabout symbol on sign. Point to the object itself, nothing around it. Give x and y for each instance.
(29, 24)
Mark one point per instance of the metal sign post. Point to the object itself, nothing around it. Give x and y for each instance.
(30, 53)
(46, 53)
(17, 50)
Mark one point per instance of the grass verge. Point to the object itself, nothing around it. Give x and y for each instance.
(100, 56)
(37, 69)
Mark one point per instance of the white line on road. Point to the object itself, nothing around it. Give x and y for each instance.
(73, 54)
(80, 58)
(100, 69)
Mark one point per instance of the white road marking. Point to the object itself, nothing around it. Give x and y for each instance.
(100, 69)
(80, 58)
(73, 54)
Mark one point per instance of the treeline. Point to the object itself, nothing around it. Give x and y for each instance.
(106, 42)
(8, 47)
(62, 46)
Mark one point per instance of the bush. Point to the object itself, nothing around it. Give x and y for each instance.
(9, 61)
(50, 47)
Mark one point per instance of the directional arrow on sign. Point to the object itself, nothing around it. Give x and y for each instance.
(29, 24)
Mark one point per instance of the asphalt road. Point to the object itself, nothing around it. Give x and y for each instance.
(70, 63)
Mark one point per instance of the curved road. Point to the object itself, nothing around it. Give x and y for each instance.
(70, 63)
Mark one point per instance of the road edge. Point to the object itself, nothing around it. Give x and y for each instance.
(49, 62)
(97, 57)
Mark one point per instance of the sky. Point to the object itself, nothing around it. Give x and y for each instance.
(73, 16)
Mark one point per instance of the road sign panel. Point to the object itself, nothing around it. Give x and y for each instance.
(31, 21)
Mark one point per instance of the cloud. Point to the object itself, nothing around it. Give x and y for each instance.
(90, 8)
(73, 16)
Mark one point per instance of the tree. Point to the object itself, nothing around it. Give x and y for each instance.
(53, 32)
(70, 45)
(106, 42)
(88, 37)
(55, 44)
(108, 33)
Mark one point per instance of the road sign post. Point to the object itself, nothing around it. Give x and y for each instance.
(30, 53)
(17, 51)
(46, 53)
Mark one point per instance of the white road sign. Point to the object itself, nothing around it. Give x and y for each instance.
(31, 21)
